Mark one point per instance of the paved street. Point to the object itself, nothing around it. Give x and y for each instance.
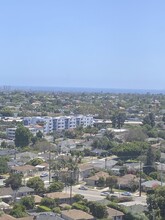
(94, 194)
(90, 194)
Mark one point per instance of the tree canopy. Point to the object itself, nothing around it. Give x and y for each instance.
(22, 136)
(14, 180)
(56, 186)
(28, 202)
(156, 202)
(37, 184)
(3, 165)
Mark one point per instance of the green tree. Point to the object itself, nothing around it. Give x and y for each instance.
(101, 182)
(18, 211)
(39, 135)
(130, 149)
(22, 136)
(149, 120)
(35, 161)
(118, 120)
(78, 197)
(97, 210)
(37, 184)
(48, 202)
(14, 180)
(111, 182)
(28, 202)
(56, 186)
(3, 144)
(150, 161)
(6, 112)
(34, 140)
(3, 165)
(163, 118)
(80, 206)
(156, 202)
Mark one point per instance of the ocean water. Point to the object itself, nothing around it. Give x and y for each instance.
(79, 89)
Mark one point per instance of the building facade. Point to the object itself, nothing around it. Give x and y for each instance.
(51, 124)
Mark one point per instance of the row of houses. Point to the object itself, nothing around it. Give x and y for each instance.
(64, 200)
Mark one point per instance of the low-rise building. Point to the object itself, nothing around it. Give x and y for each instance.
(151, 184)
(10, 132)
(26, 170)
(93, 180)
(74, 214)
(61, 196)
(127, 181)
(85, 171)
(115, 214)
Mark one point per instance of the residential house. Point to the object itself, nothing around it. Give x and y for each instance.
(43, 167)
(117, 170)
(115, 214)
(26, 170)
(74, 214)
(8, 152)
(61, 196)
(103, 163)
(7, 217)
(6, 193)
(133, 167)
(93, 180)
(25, 191)
(151, 184)
(127, 181)
(4, 206)
(43, 216)
(85, 171)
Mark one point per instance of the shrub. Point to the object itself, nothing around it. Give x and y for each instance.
(42, 208)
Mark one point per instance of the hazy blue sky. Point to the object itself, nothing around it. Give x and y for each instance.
(83, 43)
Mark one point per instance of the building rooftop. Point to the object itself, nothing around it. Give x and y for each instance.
(57, 195)
(113, 212)
(23, 168)
(76, 214)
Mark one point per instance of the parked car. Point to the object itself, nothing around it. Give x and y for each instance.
(2, 177)
(126, 194)
(114, 196)
(104, 193)
(44, 174)
(83, 188)
(54, 176)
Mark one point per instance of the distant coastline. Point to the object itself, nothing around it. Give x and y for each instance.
(79, 89)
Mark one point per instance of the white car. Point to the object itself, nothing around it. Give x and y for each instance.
(44, 174)
(126, 194)
(83, 188)
(104, 193)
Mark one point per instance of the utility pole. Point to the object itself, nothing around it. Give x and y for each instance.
(49, 165)
(71, 179)
(140, 180)
(105, 163)
(161, 174)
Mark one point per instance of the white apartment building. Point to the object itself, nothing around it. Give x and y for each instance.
(33, 129)
(59, 123)
(45, 122)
